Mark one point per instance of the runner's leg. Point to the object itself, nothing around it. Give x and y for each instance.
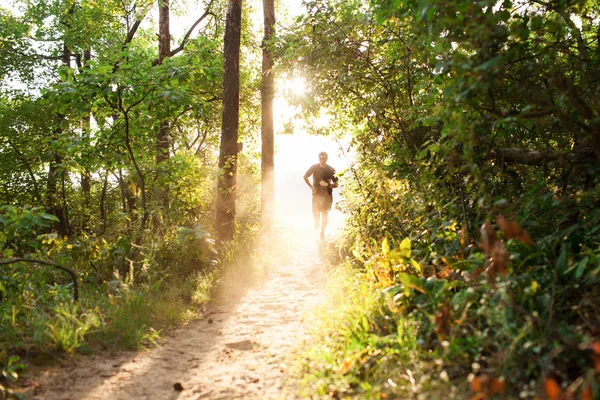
(315, 210)
(323, 223)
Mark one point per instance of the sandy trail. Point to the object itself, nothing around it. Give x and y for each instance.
(236, 350)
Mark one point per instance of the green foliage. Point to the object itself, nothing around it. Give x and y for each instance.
(130, 319)
(447, 331)
(69, 327)
(82, 185)
(11, 367)
(463, 115)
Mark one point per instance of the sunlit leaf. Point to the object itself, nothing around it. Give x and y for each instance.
(405, 247)
(411, 281)
(385, 247)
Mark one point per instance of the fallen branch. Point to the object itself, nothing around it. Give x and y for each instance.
(67, 270)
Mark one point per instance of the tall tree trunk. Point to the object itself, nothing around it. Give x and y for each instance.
(103, 213)
(267, 198)
(54, 203)
(226, 188)
(164, 51)
(86, 184)
(162, 138)
(124, 198)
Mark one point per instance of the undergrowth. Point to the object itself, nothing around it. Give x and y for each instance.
(169, 281)
(509, 318)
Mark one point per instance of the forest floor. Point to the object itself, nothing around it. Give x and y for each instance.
(236, 349)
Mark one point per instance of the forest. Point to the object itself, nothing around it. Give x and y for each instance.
(136, 166)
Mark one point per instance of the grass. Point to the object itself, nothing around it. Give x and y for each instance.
(358, 349)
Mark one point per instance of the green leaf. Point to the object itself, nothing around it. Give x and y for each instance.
(491, 63)
(411, 282)
(581, 267)
(49, 217)
(561, 263)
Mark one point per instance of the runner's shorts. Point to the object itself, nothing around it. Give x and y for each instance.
(321, 202)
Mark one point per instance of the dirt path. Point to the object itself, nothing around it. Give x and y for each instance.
(236, 350)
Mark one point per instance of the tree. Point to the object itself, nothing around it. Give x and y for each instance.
(226, 188)
(267, 90)
(164, 51)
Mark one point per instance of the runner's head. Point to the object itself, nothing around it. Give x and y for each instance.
(322, 158)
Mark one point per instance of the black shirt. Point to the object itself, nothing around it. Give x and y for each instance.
(319, 174)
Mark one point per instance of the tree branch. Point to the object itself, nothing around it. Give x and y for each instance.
(548, 158)
(67, 270)
(187, 35)
(189, 32)
(131, 33)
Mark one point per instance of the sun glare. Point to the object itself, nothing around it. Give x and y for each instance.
(297, 85)
(294, 154)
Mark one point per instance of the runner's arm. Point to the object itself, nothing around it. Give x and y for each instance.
(335, 182)
(314, 189)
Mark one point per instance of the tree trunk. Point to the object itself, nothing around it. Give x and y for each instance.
(226, 188)
(267, 198)
(54, 204)
(162, 137)
(164, 51)
(86, 184)
(103, 214)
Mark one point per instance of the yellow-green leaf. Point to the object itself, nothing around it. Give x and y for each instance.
(385, 247)
(416, 265)
(405, 249)
(411, 281)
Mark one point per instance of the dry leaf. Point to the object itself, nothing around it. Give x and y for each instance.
(499, 258)
(346, 366)
(552, 389)
(479, 396)
(442, 320)
(496, 386)
(586, 393)
(444, 273)
(476, 385)
(476, 273)
(512, 230)
(488, 237)
(596, 360)
(596, 347)
(479, 383)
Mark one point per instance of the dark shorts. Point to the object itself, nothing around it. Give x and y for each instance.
(321, 203)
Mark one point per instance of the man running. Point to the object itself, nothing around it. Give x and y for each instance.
(323, 182)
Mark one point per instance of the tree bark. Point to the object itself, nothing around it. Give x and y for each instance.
(164, 51)
(162, 137)
(54, 204)
(86, 184)
(103, 213)
(267, 130)
(226, 187)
